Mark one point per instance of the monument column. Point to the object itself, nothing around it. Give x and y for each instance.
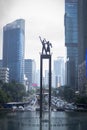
(45, 55)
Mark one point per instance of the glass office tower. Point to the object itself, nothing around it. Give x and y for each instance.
(82, 20)
(71, 41)
(82, 23)
(30, 70)
(13, 49)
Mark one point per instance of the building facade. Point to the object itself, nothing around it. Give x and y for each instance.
(4, 74)
(82, 24)
(38, 77)
(1, 63)
(30, 71)
(13, 49)
(71, 41)
(82, 79)
(59, 71)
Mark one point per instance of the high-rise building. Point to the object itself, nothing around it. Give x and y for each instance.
(59, 71)
(4, 74)
(82, 37)
(38, 77)
(1, 63)
(13, 49)
(71, 41)
(46, 81)
(30, 71)
(82, 30)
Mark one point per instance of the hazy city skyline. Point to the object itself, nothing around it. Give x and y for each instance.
(43, 18)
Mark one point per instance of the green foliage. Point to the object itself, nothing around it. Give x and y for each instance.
(1, 83)
(55, 92)
(12, 92)
(81, 100)
(65, 92)
(68, 94)
(3, 97)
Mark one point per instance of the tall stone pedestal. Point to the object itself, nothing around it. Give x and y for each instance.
(43, 57)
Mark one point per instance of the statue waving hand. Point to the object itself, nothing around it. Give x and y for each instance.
(45, 46)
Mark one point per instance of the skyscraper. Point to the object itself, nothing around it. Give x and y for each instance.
(71, 41)
(30, 71)
(4, 74)
(1, 62)
(13, 49)
(82, 24)
(82, 30)
(59, 71)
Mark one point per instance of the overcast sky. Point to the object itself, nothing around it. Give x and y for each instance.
(43, 18)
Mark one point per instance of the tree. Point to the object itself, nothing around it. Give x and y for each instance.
(81, 100)
(3, 97)
(15, 91)
(1, 83)
(68, 94)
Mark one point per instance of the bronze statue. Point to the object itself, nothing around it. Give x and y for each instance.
(48, 47)
(45, 46)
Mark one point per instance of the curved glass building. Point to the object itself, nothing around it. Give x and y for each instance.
(13, 49)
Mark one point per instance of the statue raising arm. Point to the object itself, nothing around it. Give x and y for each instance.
(43, 45)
